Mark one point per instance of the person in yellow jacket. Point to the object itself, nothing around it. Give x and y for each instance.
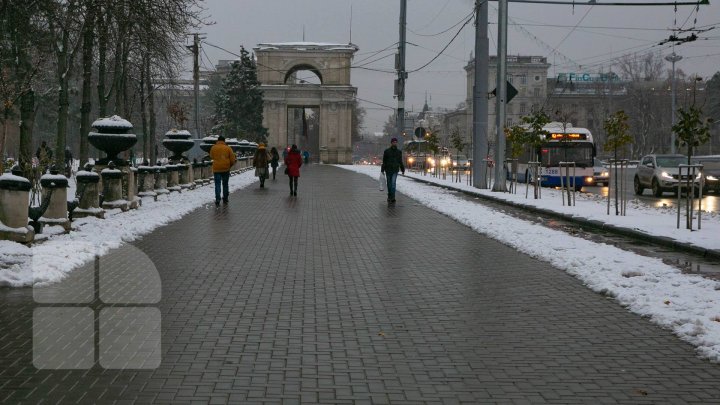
(223, 158)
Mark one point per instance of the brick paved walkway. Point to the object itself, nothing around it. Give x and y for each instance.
(334, 297)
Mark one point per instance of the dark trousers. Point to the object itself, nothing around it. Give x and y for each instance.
(391, 178)
(223, 177)
(293, 184)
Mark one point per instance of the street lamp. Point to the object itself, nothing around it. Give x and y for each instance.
(673, 57)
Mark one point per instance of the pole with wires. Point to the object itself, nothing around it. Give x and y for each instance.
(480, 99)
(501, 96)
(402, 75)
(196, 81)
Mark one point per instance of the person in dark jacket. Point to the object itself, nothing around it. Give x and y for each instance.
(293, 161)
(392, 163)
(274, 160)
(261, 159)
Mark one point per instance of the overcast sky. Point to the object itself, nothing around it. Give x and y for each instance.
(587, 36)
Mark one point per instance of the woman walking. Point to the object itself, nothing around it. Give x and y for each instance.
(260, 162)
(274, 160)
(293, 161)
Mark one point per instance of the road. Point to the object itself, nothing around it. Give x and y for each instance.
(710, 202)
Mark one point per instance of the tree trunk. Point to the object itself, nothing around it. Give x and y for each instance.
(151, 110)
(86, 104)
(27, 121)
(143, 114)
(102, 24)
(63, 72)
(117, 74)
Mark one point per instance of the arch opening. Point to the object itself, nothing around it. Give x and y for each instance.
(303, 74)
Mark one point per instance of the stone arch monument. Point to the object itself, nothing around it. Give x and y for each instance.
(333, 98)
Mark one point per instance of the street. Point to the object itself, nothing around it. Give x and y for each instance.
(710, 202)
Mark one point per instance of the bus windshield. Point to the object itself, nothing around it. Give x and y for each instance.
(580, 153)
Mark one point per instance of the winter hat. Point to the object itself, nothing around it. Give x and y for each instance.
(221, 138)
(393, 140)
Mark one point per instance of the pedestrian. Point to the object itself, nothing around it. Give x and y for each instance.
(223, 158)
(274, 160)
(260, 162)
(293, 161)
(306, 156)
(392, 163)
(68, 161)
(44, 155)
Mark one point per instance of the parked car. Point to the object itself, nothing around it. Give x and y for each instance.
(601, 175)
(660, 173)
(710, 171)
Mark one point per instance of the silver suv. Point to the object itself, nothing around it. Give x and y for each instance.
(660, 174)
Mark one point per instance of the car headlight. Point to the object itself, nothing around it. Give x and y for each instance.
(711, 178)
(699, 175)
(665, 175)
(604, 174)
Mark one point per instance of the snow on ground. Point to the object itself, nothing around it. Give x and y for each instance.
(687, 304)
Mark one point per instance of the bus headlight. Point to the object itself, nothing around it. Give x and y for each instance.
(588, 180)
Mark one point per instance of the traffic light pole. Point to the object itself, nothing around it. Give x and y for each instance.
(400, 66)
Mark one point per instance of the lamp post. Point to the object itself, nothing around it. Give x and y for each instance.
(673, 57)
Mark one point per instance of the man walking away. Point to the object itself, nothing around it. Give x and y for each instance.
(392, 163)
(223, 158)
(293, 161)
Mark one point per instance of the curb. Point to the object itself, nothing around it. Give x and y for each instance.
(595, 224)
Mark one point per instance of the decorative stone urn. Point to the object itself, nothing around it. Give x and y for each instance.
(14, 198)
(208, 143)
(178, 142)
(112, 138)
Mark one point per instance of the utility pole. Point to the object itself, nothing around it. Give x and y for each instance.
(501, 96)
(402, 75)
(673, 57)
(480, 96)
(196, 80)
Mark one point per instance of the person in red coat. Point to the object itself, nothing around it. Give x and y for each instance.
(293, 161)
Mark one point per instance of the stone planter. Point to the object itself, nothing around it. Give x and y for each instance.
(178, 142)
(112, 137)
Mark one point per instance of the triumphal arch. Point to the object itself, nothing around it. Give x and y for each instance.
(330, 96)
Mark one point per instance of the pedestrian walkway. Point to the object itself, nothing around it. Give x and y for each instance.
(335, 297)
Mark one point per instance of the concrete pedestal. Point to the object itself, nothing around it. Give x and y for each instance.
(161, 180)
(14, 197)
(113, 190)
(88, 194)
(56, 212)
(146, 182)
(173, 180)
(185, 175)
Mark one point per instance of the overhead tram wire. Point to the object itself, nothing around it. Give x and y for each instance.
(471, 18)
(432, 20)
(445, 30)
(571, 31)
